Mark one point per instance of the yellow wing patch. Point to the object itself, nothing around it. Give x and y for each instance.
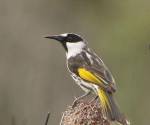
(86, 75)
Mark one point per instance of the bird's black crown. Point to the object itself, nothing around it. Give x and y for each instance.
(70, 37)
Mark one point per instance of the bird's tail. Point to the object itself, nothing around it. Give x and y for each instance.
(110, 108)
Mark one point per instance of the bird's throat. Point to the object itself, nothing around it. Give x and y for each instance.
(74, 48)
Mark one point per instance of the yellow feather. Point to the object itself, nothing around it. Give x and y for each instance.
(104, 100)
(86, 75)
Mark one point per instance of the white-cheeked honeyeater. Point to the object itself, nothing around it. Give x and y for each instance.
(90, 73)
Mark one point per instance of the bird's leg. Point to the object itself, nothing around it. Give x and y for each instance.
(79, 98)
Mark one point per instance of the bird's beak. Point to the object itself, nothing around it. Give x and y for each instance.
(55, 37)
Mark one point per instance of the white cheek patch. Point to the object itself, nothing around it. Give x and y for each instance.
(74, 48)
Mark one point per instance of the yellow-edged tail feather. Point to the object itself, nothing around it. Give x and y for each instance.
(109, 107)
(106, 108)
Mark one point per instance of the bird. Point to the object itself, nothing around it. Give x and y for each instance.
(91, 74)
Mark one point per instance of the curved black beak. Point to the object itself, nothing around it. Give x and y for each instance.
(55, 37)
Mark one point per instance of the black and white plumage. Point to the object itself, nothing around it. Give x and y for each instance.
(90, 73)
(90, 61)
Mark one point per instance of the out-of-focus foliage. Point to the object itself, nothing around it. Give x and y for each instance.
(33, 76)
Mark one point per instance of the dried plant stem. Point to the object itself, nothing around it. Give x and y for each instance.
(47, 118)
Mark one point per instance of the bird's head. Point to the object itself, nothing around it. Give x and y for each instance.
(69, 40)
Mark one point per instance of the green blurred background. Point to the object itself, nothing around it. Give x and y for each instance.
(33, 74)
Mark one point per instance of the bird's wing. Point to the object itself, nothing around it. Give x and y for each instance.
(94, 76)
(88, 66)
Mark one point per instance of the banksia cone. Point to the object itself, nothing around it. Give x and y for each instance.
(84, 113)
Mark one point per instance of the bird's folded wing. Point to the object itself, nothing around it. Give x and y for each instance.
(95, 78)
